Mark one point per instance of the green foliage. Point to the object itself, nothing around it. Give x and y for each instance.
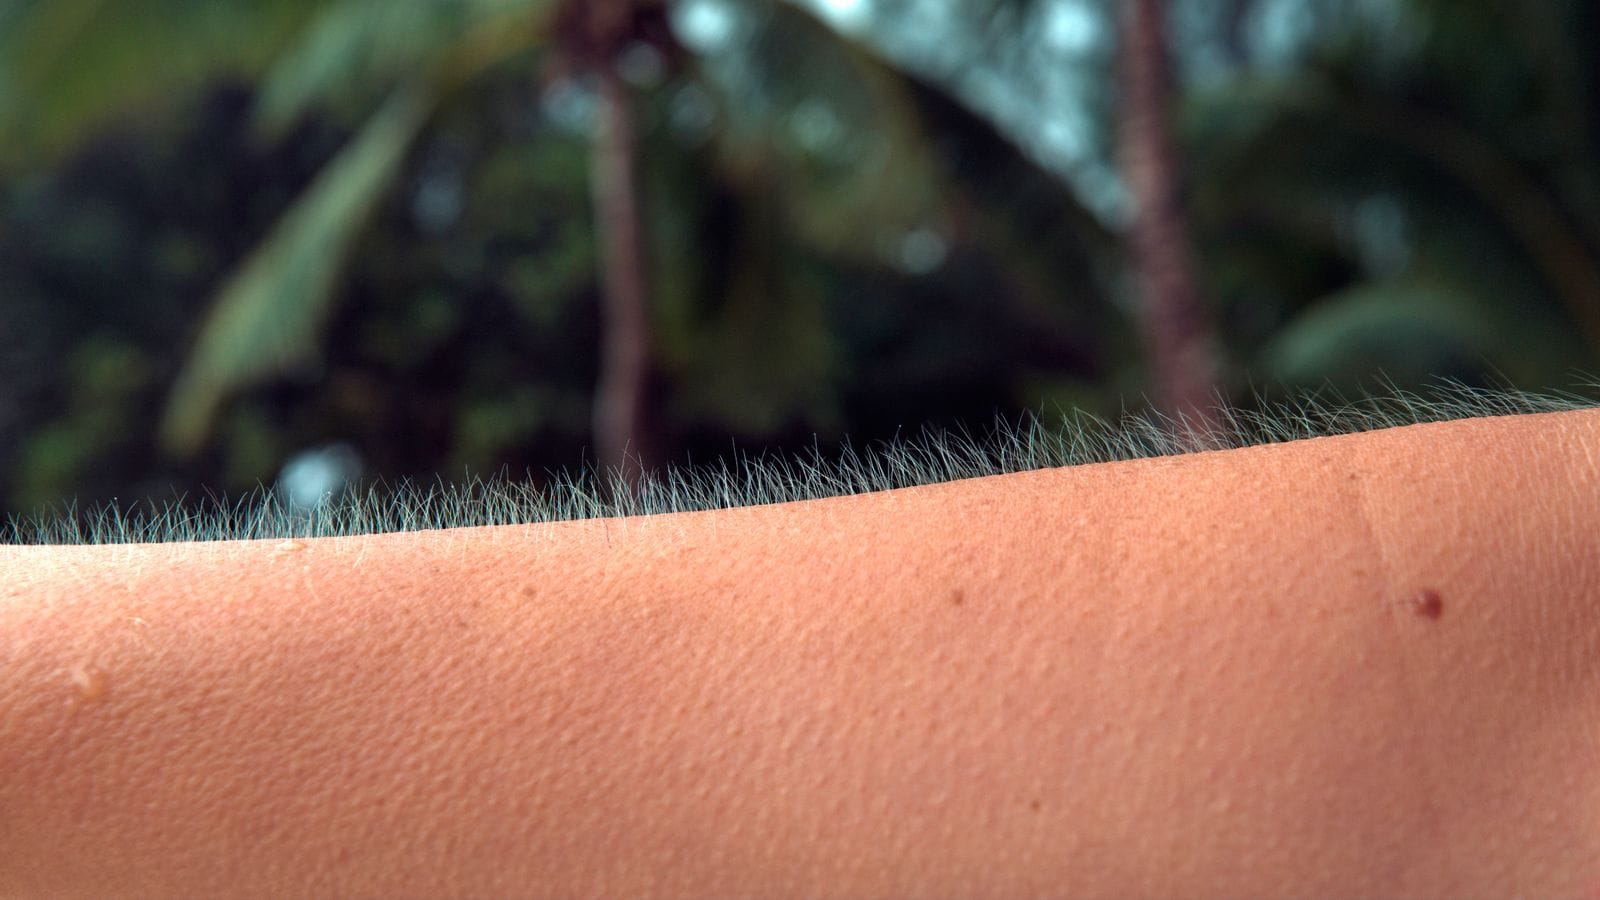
(492, 427)
(831, 132)
(1416, 202)
(531, 194)
(766, 360)
(106, 375)
(74, 61)
(265, 320)
(417, 329)
(355, 50)
(1419, 186)
(1408, 331)
(68, 65)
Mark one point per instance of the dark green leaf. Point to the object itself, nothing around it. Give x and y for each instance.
(267, 318)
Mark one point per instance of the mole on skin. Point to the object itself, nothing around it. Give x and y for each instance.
(1427, 603)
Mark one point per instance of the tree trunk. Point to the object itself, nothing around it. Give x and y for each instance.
(622, 429)
(1178, 336)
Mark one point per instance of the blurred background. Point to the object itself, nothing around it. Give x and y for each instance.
(299, 243)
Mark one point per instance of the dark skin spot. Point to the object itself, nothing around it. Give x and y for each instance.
(957, 598)
(1034, 806)
(1427, 603)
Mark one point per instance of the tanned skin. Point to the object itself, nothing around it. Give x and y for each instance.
(1364, 665)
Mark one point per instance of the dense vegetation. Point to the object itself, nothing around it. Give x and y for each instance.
(232, 232)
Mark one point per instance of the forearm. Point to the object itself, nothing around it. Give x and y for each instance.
(1193, 675)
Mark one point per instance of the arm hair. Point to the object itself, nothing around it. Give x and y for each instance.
(931, 457)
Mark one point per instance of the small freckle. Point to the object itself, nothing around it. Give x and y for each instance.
(1427, 603)
(957, 598)
(1034, 806)
(91, 681)
(290, 546)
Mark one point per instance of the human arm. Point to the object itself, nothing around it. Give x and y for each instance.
(1191, 675)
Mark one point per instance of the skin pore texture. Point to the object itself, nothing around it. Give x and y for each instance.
(1363, 664)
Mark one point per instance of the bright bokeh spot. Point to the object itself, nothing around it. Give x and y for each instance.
(707, 26)
(846, 15)
(1073, 27)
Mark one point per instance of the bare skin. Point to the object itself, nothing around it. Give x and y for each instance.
(1365, 665)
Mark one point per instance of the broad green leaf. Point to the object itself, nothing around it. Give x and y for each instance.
(358, 47)
(829, 129)
(1404, 331)
(68, 65)
(1477, 207)
(268, 317)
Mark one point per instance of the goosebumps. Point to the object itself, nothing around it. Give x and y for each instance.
(930, 458)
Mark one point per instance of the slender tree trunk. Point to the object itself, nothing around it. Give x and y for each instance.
(622, 420)
(1178, 337)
